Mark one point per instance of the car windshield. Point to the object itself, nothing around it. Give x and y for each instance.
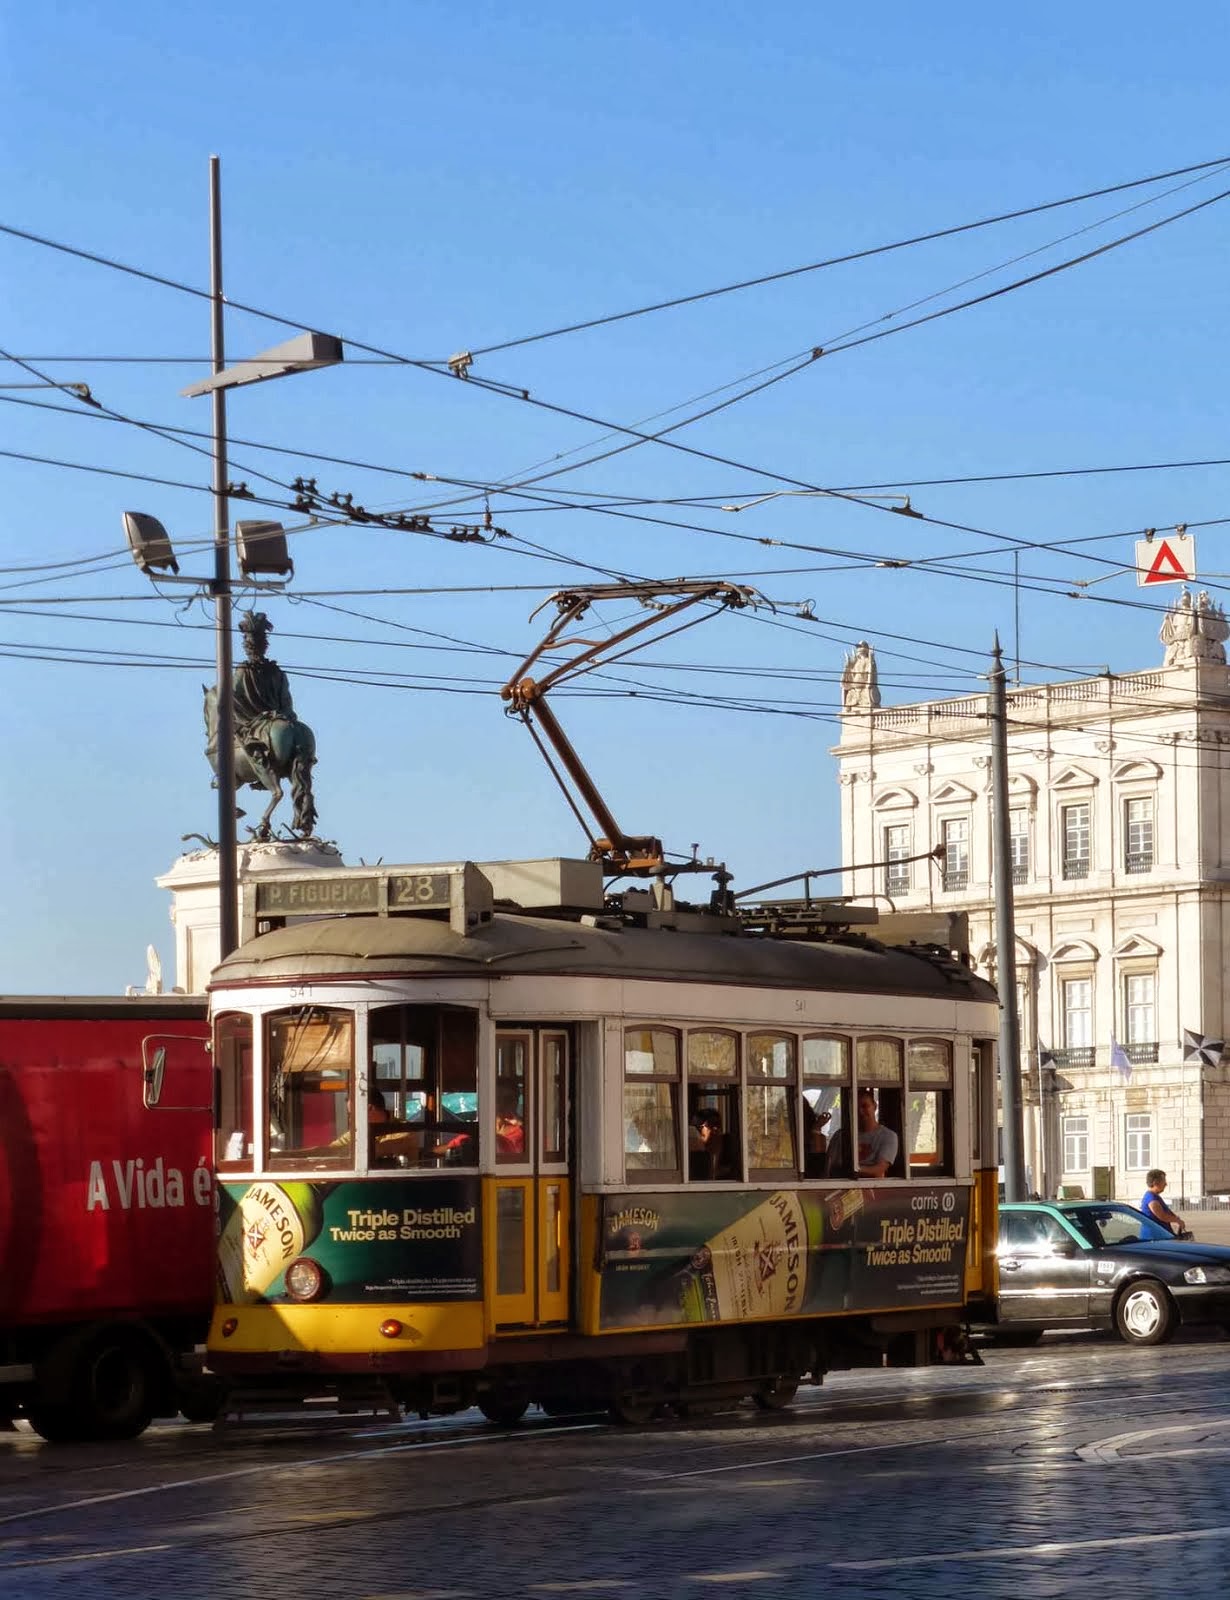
(1107, 1225)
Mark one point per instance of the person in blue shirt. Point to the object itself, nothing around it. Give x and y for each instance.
(1154, 1206)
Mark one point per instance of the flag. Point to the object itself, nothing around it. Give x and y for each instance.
(1200, 1048)
(1046, 1057)
(1119, 1059)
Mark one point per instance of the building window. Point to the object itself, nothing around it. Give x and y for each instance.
(1076, 1144)
(1074, 832)
(954, 835)
(1138, 1140)
(1140, 1015)
(1078, 1022)
(1138, 835)
(1018, 845)
(896, 849)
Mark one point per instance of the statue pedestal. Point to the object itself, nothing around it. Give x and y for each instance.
(193, 882)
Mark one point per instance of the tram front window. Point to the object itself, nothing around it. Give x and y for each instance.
(310, 1055)
(423, 1062)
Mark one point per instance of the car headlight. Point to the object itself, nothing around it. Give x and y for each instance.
(1207, 1275)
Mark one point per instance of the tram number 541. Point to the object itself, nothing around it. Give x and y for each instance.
(419, 890)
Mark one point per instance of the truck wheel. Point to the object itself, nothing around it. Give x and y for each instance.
(112, 1382)
(1145, 1313)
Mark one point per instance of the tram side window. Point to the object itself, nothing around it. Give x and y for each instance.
(929, 1143)
(827, 1152)
(713, 1106)
(772, 1090)
(878, 1061)
(424, 1066)
(651, 1105)
(233, 1060)
(310, 1056)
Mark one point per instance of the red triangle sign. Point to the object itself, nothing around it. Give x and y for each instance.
(1165, 566)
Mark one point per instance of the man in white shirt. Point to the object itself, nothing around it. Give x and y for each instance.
(877, 1145)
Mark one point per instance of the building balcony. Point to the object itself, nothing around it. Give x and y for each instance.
(1076, 869)
(1078, 1056)
(1020, 874)
(1138, 861)
(958, 878)
(1141, 1054)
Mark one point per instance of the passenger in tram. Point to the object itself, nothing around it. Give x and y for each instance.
(711, 1160)
(877, 1145)
(509, 1127)
(388, 1142)
(815, 1141)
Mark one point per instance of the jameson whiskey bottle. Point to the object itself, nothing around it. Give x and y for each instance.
(758, 1265)
(271, 1224)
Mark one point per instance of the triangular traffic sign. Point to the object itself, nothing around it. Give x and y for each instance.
(1169, 560)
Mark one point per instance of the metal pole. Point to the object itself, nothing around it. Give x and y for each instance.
(228, 874)
(1005, 936)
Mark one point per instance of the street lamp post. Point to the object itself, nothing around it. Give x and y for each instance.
(228, 850)
(264, 549)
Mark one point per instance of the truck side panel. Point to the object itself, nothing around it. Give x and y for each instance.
(106, 1207)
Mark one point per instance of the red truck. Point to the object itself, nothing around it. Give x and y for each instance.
(106, 1212)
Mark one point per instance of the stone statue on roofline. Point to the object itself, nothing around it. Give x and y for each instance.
(1194, 630)
(860, 686)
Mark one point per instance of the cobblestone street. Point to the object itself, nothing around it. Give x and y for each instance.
(1023, 1477)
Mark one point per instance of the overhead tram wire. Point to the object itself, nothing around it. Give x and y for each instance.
(661, 437)
(790, 370)
(900, 244)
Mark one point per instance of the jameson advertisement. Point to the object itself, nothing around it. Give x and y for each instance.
(716, 1257)
(392, 1240)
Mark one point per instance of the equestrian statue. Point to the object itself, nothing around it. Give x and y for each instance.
(270, 741)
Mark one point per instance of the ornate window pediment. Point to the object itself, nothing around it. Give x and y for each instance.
(952, 793)
(1075, 950)
(1022, 789)
(1074, 778)
(1135, 944)
(895, 799)
(1137, 770)
(1026, 955)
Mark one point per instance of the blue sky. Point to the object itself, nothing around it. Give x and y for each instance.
(428, 178)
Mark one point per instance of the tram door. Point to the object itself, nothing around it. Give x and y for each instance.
(533, 1221)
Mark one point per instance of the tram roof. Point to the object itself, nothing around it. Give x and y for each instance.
(358, 947)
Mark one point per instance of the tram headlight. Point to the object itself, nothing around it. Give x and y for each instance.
(305, 1279)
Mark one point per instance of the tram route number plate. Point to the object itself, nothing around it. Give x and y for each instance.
(417, 891)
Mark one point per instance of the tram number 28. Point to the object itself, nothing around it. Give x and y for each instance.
(419, 889)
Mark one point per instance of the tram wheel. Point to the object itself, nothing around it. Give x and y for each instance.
(504, 1407)
(777, 1394)
(632, 1411)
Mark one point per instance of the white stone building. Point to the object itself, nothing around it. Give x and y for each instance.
(1120, 805)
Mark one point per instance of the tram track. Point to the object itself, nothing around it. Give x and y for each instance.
(654, 1459)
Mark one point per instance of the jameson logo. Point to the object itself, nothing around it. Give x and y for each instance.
(409, 1224)
(918, 1242)
(644, 1218)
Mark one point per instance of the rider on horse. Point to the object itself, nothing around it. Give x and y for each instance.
(270, 741)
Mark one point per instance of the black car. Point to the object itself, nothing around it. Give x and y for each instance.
(1099, 1264)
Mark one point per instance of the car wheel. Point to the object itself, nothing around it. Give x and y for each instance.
(1145, 1313)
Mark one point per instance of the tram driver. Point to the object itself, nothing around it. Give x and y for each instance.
(877, 1145)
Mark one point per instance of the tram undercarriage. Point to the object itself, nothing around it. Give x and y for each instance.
(632, 1378)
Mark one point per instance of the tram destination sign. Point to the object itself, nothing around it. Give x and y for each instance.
(337, 893)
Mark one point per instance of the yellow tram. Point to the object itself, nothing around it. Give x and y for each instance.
(490, 1136)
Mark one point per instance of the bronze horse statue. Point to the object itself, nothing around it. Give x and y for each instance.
(271, 744)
